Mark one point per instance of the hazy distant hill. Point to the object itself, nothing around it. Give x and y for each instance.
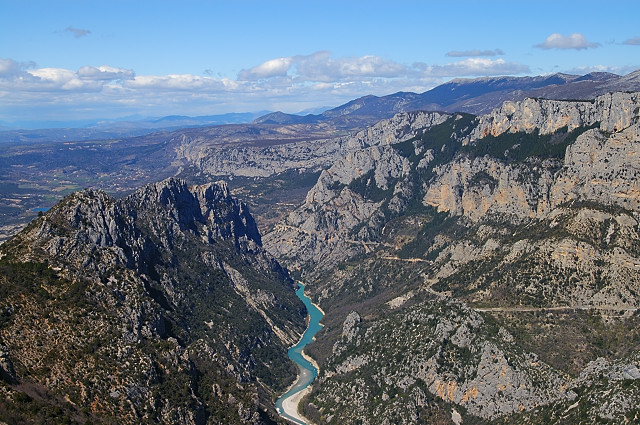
(475, 96)
(75, 131)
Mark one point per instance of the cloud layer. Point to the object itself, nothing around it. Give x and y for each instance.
(287, 83)
(575, 41)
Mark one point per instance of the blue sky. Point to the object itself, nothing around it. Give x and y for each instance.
(77, 60)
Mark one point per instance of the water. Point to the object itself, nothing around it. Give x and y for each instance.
(306, 371)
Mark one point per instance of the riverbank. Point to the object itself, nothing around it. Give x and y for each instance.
(287, 405)
(290, 406)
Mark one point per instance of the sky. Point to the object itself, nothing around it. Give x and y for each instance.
(100, 60)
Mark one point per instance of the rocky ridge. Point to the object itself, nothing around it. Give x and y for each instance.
(251, 159)
(471, 184)
(125, 311)
(528, 217)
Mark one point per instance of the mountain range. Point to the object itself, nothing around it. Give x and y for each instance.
(475, 96)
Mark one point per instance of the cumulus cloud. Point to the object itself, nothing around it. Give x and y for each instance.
(77, 32)
(53, 79)
(321, 66)
(269, 69)
(105, 73)
(280, 83)
(180, 82)
(473, 67)
(635, 41)
(474, 52)
(10, 68)
(575, 41)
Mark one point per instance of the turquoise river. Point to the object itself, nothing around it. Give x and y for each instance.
(306, 371)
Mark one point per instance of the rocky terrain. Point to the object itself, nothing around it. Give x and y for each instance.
(484, 270)
(261, 157)
(473, 268)
(159, 307)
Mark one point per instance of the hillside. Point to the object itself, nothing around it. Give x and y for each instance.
(483, 269)
(126, 312)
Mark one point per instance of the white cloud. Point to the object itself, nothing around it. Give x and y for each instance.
(10, 68)
(299, 81)
(105, 73)
(473, 67)
(52, 79)
(574, 41)
(474, 52)
(269, 69)
(321, 66)
(179, 82)
(77, 32)
(635, 41)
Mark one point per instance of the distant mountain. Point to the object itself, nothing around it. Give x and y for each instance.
(44, 131)
(475, 96)
(282, 118)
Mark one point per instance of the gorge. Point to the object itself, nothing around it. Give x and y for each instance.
(471, 269)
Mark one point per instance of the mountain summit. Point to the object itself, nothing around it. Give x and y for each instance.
(160, 307)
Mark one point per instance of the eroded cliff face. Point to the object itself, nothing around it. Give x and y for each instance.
(613, 112)
(456, 358)
(601, 164)
(528, 218)
(130, 308)
(257, 159)
(598, 166)
(333, 209)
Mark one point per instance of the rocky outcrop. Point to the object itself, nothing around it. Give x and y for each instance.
(130, 308)
(602, 168)
(323, 231)
(265, 159)
(597, 167)
(448, 353)
(341, 213)
(613, 112)
(530, 215)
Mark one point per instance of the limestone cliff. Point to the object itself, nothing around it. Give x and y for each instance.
(126, 311)
(528, 217)
(613, 112)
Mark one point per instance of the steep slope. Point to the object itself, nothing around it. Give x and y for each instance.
(160, 307)
(518, 229)
(320, 232)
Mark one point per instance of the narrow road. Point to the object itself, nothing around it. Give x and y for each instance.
(555, 308)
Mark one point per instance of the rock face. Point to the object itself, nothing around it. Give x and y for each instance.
(456, 357)
(613, 112)
(334, 207)
(128, 310)
(311, 153)
(491, 261)
(601, 164)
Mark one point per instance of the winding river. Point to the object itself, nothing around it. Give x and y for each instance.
(287, 405)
